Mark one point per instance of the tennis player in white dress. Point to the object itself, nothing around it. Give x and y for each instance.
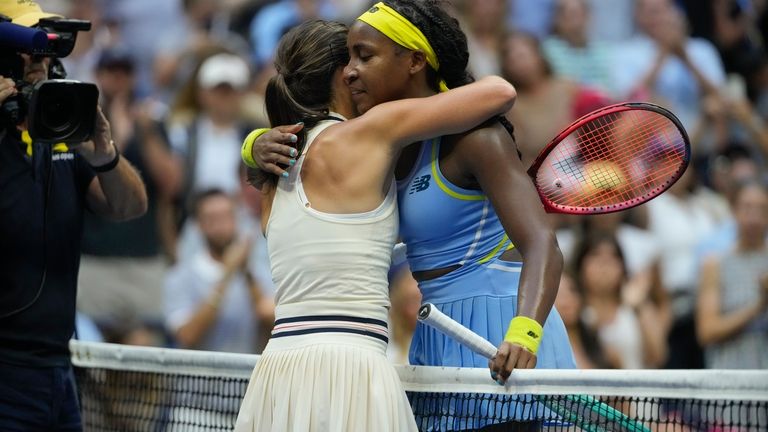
(330, 227)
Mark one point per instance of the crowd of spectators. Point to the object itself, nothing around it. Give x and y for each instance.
(681, 282)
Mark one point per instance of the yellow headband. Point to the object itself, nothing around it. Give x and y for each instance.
(396, 27)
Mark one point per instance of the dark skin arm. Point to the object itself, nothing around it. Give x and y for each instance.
(274, 150)
(489, 156)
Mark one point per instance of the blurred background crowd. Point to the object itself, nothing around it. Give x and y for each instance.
(677, 283)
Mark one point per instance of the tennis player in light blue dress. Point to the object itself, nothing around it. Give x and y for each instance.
(444, 225)
(458, 247)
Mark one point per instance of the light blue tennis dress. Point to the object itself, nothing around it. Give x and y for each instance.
(444, 225)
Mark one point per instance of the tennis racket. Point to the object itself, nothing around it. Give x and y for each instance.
(584, 411)
(612, 159)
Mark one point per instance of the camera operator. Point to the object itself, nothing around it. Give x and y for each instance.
(44, 191)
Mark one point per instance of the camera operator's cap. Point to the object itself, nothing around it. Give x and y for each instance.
(224, 69)
(24, 12)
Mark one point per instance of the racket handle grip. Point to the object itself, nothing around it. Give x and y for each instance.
(429, 314)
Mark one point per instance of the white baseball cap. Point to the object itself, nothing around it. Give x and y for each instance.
(224, 69)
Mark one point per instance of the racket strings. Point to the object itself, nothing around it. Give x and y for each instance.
(613, 161)
(636, 166)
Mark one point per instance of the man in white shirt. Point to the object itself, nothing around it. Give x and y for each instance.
(212, 301)
(209, 142)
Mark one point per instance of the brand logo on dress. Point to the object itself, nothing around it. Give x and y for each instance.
(420, 184)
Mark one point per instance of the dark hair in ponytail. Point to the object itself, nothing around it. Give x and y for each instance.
(306, 59)
(449, 42)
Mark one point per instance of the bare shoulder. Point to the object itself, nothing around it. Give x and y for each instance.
(320, 157)
(343, 151)
(489, 141)
(344, 133)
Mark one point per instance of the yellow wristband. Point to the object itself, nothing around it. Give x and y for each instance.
(246, 152)
(525, 332)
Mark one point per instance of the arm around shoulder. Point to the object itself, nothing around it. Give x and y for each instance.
(457, 110)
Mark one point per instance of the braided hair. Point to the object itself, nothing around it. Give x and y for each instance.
(444, 35)
(447, 40)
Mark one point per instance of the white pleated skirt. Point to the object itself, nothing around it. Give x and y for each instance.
(325, 382)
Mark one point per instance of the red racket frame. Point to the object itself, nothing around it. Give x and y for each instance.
(552, 207)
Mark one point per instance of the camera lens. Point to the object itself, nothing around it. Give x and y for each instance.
(60, 111)
(63, 111)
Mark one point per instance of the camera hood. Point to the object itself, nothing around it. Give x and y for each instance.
(63, 111)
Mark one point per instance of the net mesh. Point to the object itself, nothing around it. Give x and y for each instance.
(126, 388)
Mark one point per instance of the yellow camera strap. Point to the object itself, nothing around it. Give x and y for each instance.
(27, 139)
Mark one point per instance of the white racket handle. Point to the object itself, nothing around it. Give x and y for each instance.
(429, 314)
(399, 254)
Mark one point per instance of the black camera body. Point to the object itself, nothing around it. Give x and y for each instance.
(56, 109)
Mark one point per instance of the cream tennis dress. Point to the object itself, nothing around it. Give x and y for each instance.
(325, 367)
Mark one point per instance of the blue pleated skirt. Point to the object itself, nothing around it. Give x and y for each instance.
(484, 299)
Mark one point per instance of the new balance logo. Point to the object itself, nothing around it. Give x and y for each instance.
(419, 184)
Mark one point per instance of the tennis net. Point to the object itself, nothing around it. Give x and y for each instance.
(127, 388)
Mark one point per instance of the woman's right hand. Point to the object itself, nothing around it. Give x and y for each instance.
(7, 88)
(277, 147)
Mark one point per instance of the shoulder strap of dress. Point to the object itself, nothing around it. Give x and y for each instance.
(332, 118)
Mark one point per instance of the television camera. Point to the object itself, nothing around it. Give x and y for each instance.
(55, 109)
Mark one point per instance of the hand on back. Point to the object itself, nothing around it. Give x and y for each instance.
(276, 149)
